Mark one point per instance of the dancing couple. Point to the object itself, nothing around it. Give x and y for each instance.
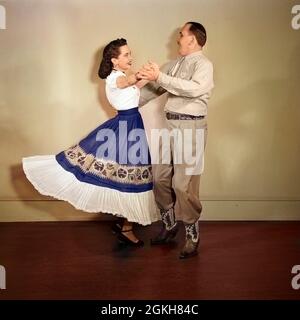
(110, 170)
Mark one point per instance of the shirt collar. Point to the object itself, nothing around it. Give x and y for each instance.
(194, 54)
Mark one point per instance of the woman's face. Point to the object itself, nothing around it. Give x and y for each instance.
(124, 60)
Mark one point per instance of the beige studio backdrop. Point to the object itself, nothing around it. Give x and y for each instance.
(50, 96)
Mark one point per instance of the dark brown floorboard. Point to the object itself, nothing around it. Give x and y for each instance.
(81, 260)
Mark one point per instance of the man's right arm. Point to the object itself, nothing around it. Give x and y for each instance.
(200, 83)
(152, 90)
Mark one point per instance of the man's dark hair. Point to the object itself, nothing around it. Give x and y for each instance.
(198, 31)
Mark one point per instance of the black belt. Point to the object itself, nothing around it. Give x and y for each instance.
(181, 116)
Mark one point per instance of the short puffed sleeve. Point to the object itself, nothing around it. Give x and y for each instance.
(111, 80)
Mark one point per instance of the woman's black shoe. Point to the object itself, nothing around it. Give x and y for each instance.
(123, 239)
(117, 226)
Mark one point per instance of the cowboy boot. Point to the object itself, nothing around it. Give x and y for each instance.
(191, 240)
(169, 228)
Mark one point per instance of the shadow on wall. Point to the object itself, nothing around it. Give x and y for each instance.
(24, 188)
(172, 46)
(254, 154)
(100, 84)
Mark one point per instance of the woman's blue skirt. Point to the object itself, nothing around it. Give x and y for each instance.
(115, 155)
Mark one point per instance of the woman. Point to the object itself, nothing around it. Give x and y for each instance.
(110, 169)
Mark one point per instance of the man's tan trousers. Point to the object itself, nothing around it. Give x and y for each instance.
(173, 187)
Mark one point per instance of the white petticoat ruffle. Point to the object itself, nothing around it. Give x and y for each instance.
(50, 179)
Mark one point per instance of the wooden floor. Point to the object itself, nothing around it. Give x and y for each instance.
(81, 260)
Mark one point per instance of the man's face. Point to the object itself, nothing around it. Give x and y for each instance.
(185, 38)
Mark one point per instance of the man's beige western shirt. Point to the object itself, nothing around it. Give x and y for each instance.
(188, 81)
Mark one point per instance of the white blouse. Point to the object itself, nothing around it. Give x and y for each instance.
(121, 99)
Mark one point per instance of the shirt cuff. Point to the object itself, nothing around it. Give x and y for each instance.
(159, 80)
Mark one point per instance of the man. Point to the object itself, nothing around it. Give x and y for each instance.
(188, 81)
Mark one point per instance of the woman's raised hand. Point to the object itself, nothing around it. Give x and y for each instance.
(149, 71)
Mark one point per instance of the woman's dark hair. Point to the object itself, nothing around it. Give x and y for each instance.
(112, 50)
(198, 31)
